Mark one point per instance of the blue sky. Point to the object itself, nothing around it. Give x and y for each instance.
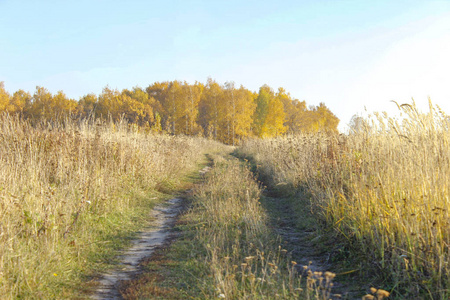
(347, 54)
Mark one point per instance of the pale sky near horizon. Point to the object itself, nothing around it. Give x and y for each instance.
(350, 55)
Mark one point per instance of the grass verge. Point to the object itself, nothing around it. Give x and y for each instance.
(72, 194)
(383, 189)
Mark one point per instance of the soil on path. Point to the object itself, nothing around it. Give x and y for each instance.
(164, 217)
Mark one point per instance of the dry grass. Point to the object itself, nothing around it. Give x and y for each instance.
(68, 189)
(242, 251)
(384, 188)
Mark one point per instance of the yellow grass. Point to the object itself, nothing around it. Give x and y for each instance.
(384, 187)
(243, 253)
(66, 190)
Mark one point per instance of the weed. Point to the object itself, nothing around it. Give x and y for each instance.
(384, 188)
(72, 194)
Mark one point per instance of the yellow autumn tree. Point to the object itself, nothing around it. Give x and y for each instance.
(325, 119)
(137, 107)
(269, 115)
(177, 105)
(20, 102)
(225, 112)
(229, 114)
(189, 105)
(211, 107)
(44, 105)
(173, 108)
(298, 118)
(62, 106)
(4, 97)
(222, 112)
(158, 92)
(40, 106)
(240, 108)
(294, 110)
(87, 106)
(109, 104)
(245, 110)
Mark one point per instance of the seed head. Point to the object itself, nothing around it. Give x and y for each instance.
(330, 275)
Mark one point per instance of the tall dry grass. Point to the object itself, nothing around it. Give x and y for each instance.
(67, 190)
(242, 251)
(384, 187)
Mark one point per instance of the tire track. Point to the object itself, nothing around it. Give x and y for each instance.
(164, 216)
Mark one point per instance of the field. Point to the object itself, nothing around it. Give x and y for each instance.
(383, 189)
(73, 193)
(228, 248)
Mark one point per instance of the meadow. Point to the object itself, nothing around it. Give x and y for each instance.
(227, 248)
(72, 194)
(383, 189)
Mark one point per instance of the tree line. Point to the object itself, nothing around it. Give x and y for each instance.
(224, 112)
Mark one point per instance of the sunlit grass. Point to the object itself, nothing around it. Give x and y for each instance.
(383, 187)
(71, 193)
(243, 253)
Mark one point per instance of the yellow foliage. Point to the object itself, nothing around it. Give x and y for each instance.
(269, 116)
(4, 97)
(222, 112)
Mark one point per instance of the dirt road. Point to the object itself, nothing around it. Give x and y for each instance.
(163, 216)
